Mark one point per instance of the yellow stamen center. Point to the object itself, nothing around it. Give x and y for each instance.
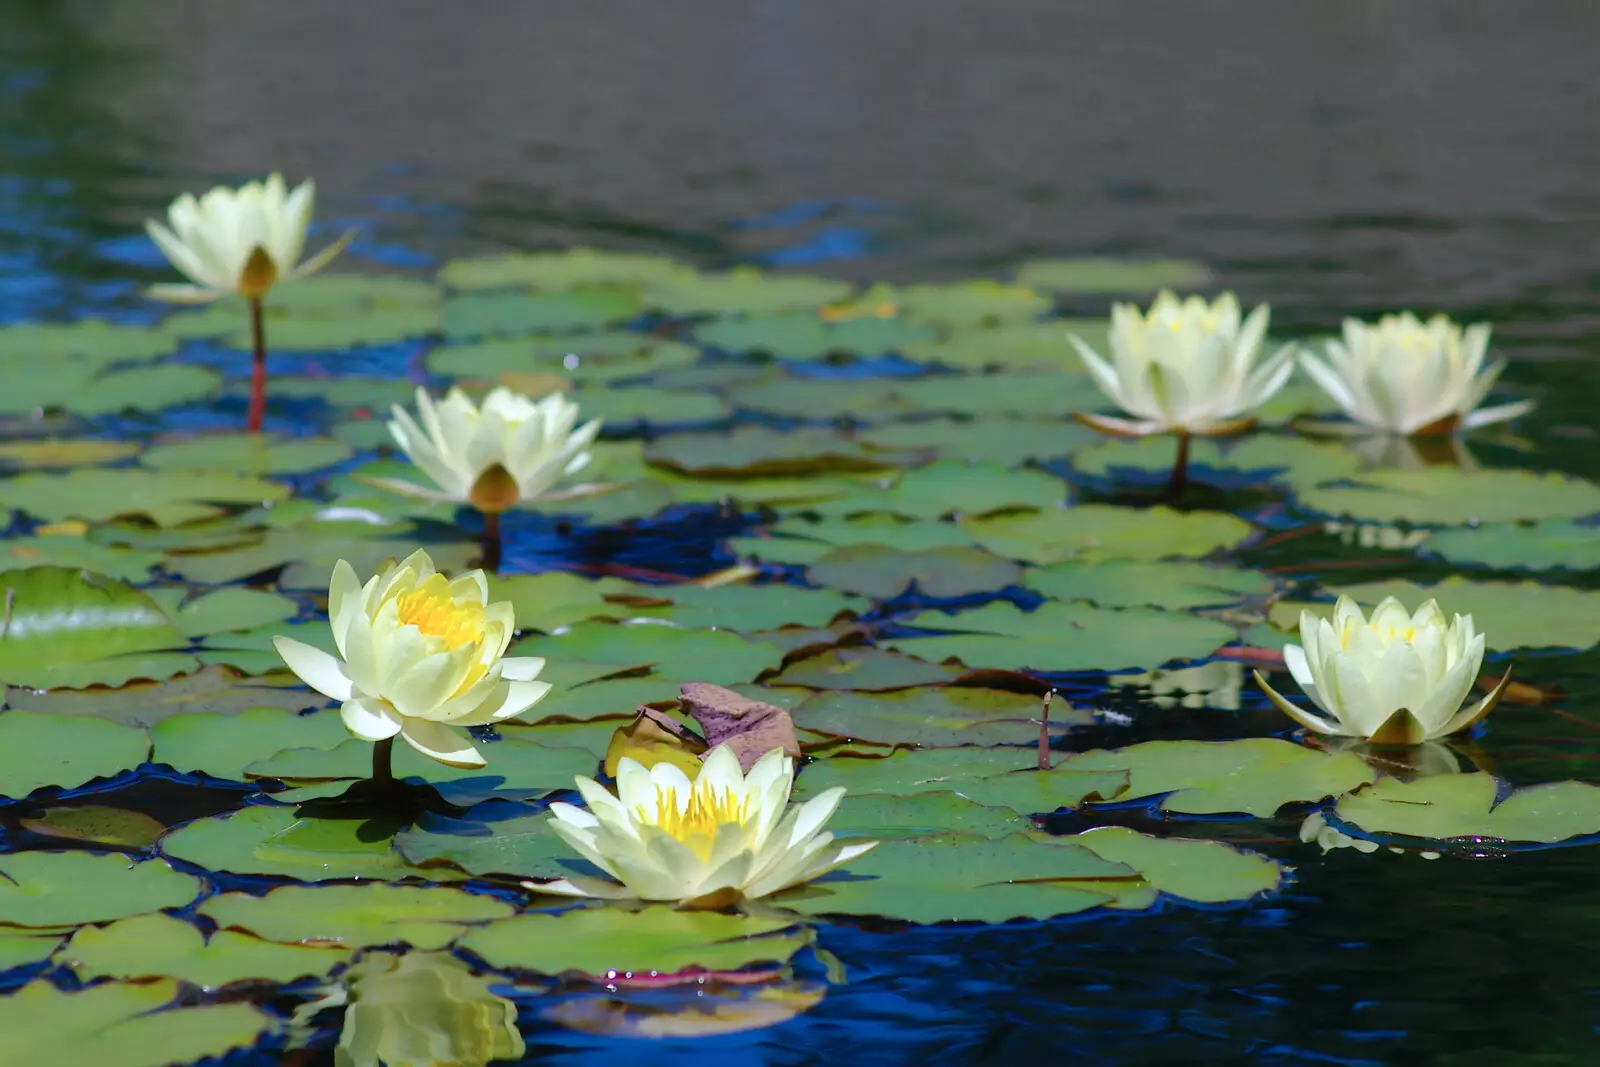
(696, 825)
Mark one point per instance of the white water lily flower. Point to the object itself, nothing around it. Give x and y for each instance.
(1399, 679)
(508, 450)
(421, 657)
(241, 240)
(723, 836)
(1404, 376)
(1185, 366)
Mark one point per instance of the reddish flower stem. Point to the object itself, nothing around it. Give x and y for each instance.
(491, 541)
(258, 366)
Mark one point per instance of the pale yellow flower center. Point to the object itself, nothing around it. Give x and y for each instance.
(1386, 634)
(697, 823)
(454, 623)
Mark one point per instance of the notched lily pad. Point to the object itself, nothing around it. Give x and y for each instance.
(148, 945)
(1467, 808)
(56, 889)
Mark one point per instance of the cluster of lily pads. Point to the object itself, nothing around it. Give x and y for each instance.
(836, 545)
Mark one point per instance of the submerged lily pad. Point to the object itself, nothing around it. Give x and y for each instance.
(53, 889)
(1254, 776)
(1509, 614)
(612, 942)
(50, 750)
(1064, 637)
(63, 627)
(425, 917)
(1448, 806)
(1100, 532)
(120, 1024)
(1446, 496)
(149, 945)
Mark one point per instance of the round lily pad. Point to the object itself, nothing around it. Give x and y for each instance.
(882, 572)
(656, 940)
(710, 655)
(1101, 531)
(165, 497)
(273, 840)
(51, 889)
(1555, 544)
(1065, 637)
(148, 945)
(121, 1024)
(1165, 585)
(1445, 496)
(222, 745)
(38, 750)
(883, 817)
(424, 917)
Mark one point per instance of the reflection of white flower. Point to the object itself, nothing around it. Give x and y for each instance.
(1217, 684)
(723, 834)
(1369, 535)
(422, 656)
(241, 240)
(1316, 828)
(1404, 376)
(1397, 680)
(420, 1009)
(1387, 451)
(1184, 366)
(508, 450)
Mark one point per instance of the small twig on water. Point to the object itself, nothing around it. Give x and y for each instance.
(1044, 731)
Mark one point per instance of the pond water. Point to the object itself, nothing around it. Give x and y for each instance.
(1328, 160)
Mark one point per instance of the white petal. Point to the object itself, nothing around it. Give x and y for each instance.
(369, 719)
(315, 667)
(444, 743)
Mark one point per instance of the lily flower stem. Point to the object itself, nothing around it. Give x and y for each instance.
(258, 366)
(382, 751)
(1180, 467)
(1044, 731)
(491, 541)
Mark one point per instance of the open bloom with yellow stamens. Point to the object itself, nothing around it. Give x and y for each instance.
(1398, 679)
(422, 657)
(508, 450)
(241, 240)
(722, 836)
(1406, 377)
(1185, 366)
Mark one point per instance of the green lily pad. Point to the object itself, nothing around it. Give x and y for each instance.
(222, 610)
(150, 945)
(939, 716)
(625, 408)
(1006, 392)
(715, 656)
(77, 553)
(243, 453)
(53, 889)
(1091, 275)
(999, 777)
(1508, 614)
(862, 668)
(212, 689)
(589, 357)
(1006, 441)
(165, 497)
(223, 745)
(754, 451)
(479, 315)
(273, 841)
(954, 487)
(978, 302)
(812, 398)
(1207, 872)
(1164, 585)
(40, 343)
(966, 878)
(603, 942)
(552, 599)
(1065, 637)
(743, 289)
(614, 699)
(801, 541)
(1256, 458)
(569, 268)
(49, 750)
(1013, 345)
(746, 608)
(82, 386)
(120, 1024)
(311, 551)
(55, 452)
(884, 817)
(521, 846)
(803, 335)
(1448, 806)
(20, 947)
(64, 627)
(357, 916)
(1445, 496)
(882, 572)
(1556, 544)
(1101, 531)
(1255, 776)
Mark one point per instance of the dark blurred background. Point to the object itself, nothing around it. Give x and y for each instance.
(1341, 155)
